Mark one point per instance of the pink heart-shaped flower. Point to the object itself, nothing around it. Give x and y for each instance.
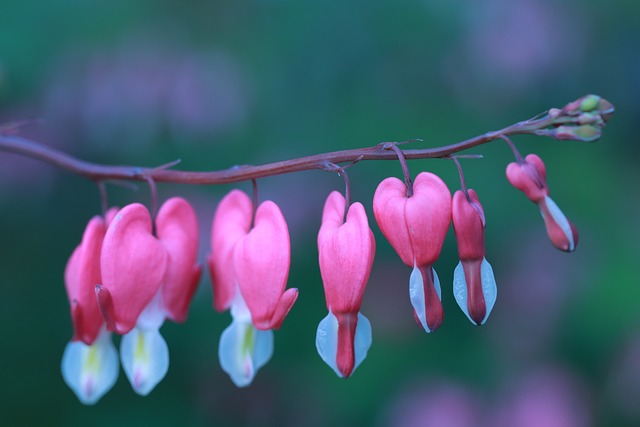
(261, 263)
(133, 264)
(414, 226)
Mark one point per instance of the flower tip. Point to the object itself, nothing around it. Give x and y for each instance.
(243, 350)
(426, 297)
(477, 295)
(343, 341)
(145, 359)
(562, 233)
(284, 305)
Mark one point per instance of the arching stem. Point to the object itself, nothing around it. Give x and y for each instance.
(403, 164)
(516, 153)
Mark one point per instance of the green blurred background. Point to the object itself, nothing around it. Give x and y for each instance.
(246, 82)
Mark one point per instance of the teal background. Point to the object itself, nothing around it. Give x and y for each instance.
(248, 82)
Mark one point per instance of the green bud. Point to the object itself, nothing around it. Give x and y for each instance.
(589, 103)
(586, 133)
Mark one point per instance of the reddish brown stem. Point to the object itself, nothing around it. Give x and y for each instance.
(99, 172)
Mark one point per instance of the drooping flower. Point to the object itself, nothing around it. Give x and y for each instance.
(346, 250)
(147, 278)
(474, 285)
(90, 361)
(416, 227)
(530, 178)
(249, 268)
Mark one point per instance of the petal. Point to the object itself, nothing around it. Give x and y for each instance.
(560, 230)
(110, 215)
(133, 265)
(428, 215)
(332, 350)
(415, 226)
(425, 295)
(282, 308)
(468, 225)
(90, 370)
(488, 288)
(145, 359)
(177, 229)
(389, 203)
(346, 252)
(231, 222)
(529, 177)
(153, 315)
(261, 263)
(244, 350)
(81, 276)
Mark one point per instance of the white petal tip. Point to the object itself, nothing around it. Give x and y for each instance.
(90, 371)
(243, 350)
(489, 289)
(416, 295)
(327, 341)
(145, 359)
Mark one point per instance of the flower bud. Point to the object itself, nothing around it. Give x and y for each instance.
(530, 178)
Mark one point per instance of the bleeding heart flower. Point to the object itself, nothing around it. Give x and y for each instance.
(90, 361)
(145, 279)
(530, 178)
(474, 285)
(346, 251)
(249, 267)
(416, 227)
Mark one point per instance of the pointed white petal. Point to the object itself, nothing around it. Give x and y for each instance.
(416, 294)
(243, 350)
(362, 340)
(327, 341)
(90, 371)
(561, 220)
(460, 289)
(145, 359)
(489, 287)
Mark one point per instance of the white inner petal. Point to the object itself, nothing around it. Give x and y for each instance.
(90, 371)
(416, 294)
(362, 340)
(153, 315)
(460, 289)
(145, 359)
(243, 350)
(327, 341)
(561, 220)
(489, 287)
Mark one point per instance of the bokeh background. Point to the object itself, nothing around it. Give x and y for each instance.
(235, 82)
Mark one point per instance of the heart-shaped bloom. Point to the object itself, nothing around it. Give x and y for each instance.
(474, 285)
(530, 178)
(90, 361)
(416, 227)
(146, 278)
(346, 251)
(249, 268)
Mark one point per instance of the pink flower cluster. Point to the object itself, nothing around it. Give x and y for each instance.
(131, 272)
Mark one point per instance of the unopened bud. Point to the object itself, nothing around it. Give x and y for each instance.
(589, 103)
(586, 133)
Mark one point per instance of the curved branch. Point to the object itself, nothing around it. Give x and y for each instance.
(570, 119)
